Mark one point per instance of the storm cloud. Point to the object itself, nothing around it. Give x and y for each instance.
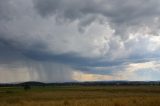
(119, 14)
(83, 40)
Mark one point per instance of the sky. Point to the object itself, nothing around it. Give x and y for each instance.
(79, 40)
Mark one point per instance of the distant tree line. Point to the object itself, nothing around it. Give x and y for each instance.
(28, 85)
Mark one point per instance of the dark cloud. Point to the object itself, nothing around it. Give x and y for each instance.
(50, 40)
(120, 14)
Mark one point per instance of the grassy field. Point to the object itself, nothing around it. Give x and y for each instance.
(81, 96)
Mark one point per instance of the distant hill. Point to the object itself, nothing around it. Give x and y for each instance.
(95, 83)
(32, 83)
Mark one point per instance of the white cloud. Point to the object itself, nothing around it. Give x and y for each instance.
(141, 71)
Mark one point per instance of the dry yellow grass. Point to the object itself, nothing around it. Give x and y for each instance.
(82, 96)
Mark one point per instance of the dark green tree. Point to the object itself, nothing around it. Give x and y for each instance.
(27, 87)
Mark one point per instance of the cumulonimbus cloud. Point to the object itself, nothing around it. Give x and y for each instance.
(100, 37)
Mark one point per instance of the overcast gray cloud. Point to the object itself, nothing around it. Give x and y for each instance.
(67, 40)
(120, 14)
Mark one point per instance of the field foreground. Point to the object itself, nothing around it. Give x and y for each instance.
(81, 96)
